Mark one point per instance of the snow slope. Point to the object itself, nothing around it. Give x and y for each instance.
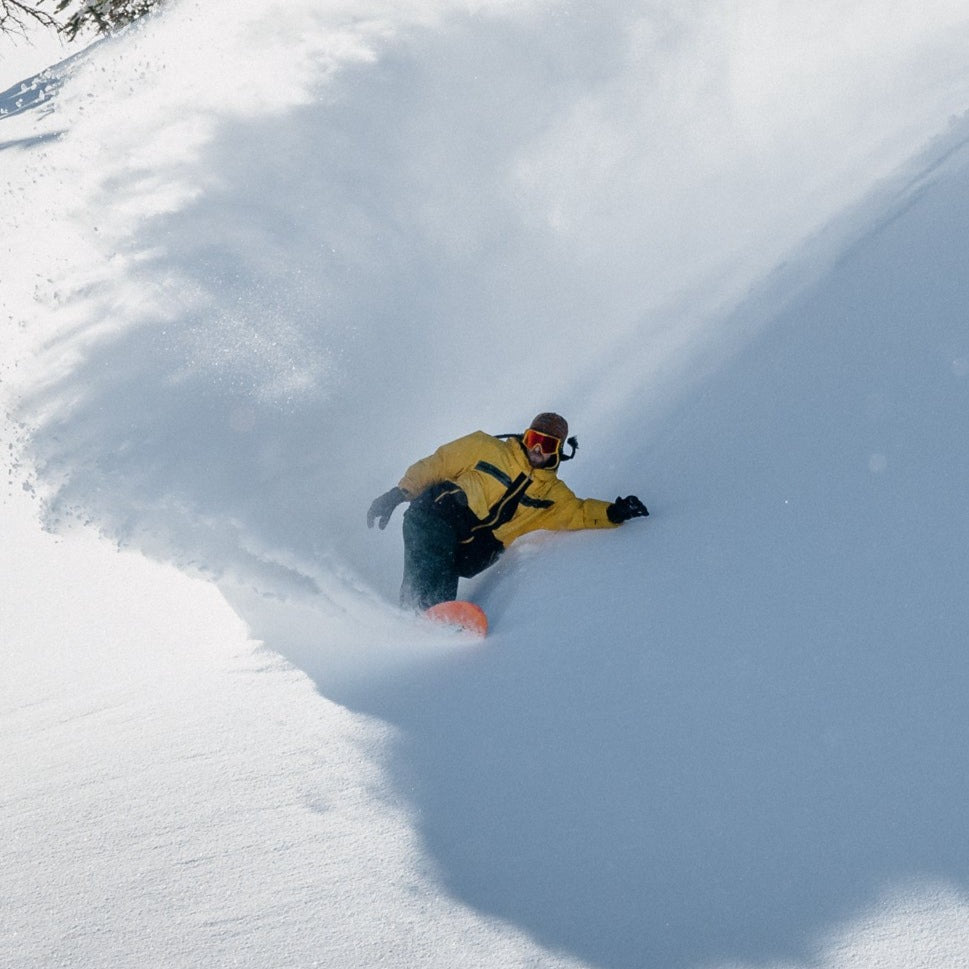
(251, 271)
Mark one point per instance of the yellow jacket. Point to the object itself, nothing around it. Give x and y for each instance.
(496, 475)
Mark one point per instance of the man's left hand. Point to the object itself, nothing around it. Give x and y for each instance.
(622, 509)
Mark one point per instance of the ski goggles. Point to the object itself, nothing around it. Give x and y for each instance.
(546, 442)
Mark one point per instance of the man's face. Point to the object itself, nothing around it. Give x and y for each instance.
(538, 459)
(542, 449)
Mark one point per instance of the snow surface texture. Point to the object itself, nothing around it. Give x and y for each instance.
(252, 270)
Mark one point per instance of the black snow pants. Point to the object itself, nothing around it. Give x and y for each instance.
(441, 545)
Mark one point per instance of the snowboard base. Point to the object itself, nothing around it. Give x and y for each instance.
(461, 615)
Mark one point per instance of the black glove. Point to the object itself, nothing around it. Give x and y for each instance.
(383, 507)
(622, 509)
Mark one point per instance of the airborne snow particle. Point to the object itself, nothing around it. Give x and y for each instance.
(877, 463)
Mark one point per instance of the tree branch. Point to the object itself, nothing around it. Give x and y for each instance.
(15, 16)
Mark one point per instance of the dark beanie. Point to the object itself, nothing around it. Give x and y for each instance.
(548, 423)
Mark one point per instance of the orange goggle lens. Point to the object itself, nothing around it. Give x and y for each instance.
(546, 442)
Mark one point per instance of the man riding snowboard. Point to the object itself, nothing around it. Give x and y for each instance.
(472, 498)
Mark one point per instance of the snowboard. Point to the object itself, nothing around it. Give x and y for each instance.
(461, 615)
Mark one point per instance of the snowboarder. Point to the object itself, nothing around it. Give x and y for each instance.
(473, 497)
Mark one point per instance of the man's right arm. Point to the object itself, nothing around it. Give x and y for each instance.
(445, 464)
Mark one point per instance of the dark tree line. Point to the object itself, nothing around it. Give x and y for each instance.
(71, 17)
